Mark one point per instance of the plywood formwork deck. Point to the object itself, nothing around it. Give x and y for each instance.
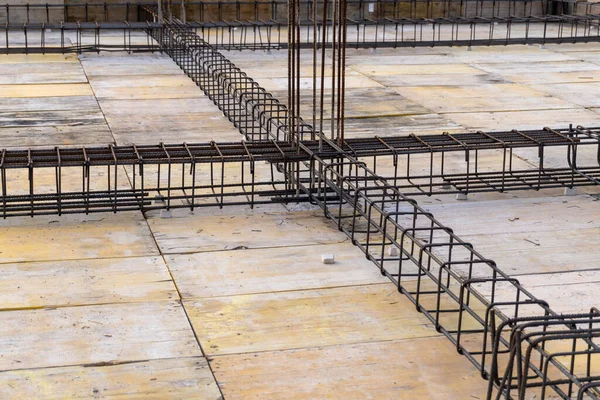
(236, 302)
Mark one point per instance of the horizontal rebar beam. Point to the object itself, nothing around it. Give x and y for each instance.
(282, 151)
(272, 34)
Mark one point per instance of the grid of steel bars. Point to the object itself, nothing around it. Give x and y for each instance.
(499, 326)
(123, 178)
(254, 25)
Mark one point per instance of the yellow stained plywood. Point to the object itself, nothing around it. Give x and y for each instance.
(424, 368)
(79, 282)
(74, 237)
(70, 103)
(50, 90)
(37, 58)
(154, 379)
(226, 273)
(203, 232)
(308, 318)
(111, 333)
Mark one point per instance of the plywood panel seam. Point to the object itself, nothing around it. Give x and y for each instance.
(211, 357)
(98, 103)
(189, 322)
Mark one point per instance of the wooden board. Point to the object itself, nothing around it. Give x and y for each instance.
(424, 368)
(176, 128)
(64, 135)
(529, 235)
(377, 70)
(352, 82)
(74, 237)
(583, 93)
(178, 80)
(164, 108)
(425, 80)
(79, 282)
(48, 118)
(567, 292)
(400, 125)
(227, 273)
(64, 103)
(50, 90)
(365, 102)
(37, 58)
(492, 97)
(203, 232)
(111, 333)
(145, 66)
(152, 121)
(308, 318)
(154, 379)
(427, 75)
(497, 121)
(42, 72)
(149, 92)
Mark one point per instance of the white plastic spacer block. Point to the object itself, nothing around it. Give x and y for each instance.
(461, 196)
(165, 214)
(327, 258)
(570, 191)
(392, 251)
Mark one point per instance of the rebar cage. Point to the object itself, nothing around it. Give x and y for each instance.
(364, 185)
